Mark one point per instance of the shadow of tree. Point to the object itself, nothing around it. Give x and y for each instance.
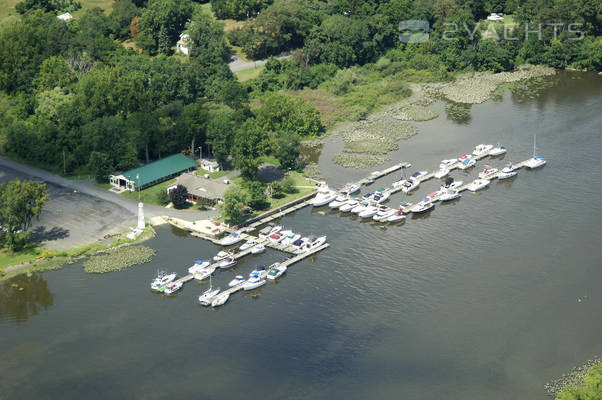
(23, 296)
(42, 234)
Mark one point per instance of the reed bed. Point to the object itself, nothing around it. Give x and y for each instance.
(359, 160)
(416, 113)
(118, 259)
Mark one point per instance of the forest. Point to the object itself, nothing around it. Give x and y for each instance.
(105, 91)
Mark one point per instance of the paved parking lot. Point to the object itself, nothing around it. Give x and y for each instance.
(71, 219)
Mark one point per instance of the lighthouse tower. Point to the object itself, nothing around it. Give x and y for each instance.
(140, 216)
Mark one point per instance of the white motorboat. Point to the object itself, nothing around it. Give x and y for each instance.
(507, 172)
(238, 279)
(231, 239)
(397, 216)
(351, 204)
(261, 271)
(482, 149)
(433, 195)
(248, 244)
(267, 231)
(478, 184)
(445, 164)
(488, 172)
(442, 173)
(535, 161)
(199, 265)
(399, 182)
(203, 274)
(465, 161)
(253, 282)
(408, 186)
(350, 188)
(275, 271)
(207, 295)
(172, 287)
(451, 184)
(222, 255)
(220, 299)
(290, 239)
(416, 176)
(258, 249)
(497, 151)
(360, 207)
(369, 212)
(380, 198)
(313, 244)
(297, 244)
(449, 195)
(324, 196)
(423, 207)
(383, 213)
(228, 263)
(162, 279)
(367, 196)
(339, 201)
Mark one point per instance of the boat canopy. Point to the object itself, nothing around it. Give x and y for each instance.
(199, 261)
(260, 268)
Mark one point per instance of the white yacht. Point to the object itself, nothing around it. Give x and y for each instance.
(199, 265)
(275, 271)
(465, 162)
(497, 151)
(423, 207)
(289, 240)
(383, 213)
(253, 282)
(369, 212)
(445, 164)
(261, 271)
(324, 196)
(399, 215)
(478, 184)
(238, 279)
(258, 249)
(351, 204)
(408, 186)
(339, 201)
(399, 182)
(313, 244)
(488, 172)
(220, 299)
(172, 287)
(350, 188)
(203, 274)
(228, 263)
(248, 244)
(162, 279)
(449, 195)
(297, 244)
(221, 255)
(481, 149)
(360, 207)
(442, 173)
(231, 239)
(381, 197)
(416, 176)
(507, 172)
(535, 161)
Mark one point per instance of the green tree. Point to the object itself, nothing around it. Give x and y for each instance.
(121, 17)
(280, 113)
(209, 45)
(257, 194)
(235, 199)
(101, 165)
(220, 134)
(20, 202)
(170, 14)
(592, 390)
(249, 145)
(179, 196)
(54, 72)
(287, 151)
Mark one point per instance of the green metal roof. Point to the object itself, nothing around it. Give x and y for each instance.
(159, 169)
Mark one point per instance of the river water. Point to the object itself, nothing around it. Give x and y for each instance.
(486, 298)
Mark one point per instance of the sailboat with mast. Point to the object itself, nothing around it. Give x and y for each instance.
(206, 297)
(535, 161)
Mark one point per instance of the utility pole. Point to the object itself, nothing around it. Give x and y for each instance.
(64, 164)
(138, 177)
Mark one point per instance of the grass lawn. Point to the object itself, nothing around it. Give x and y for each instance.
(250, 73)
(213, 175)
(8, 13)
(299, 180)
(105, 186)
(149, 195)
(7, 257)
(105, 5)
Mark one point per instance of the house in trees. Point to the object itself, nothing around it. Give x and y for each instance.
(183, 45)
(153, 173)
(209, 165)
(201, 190)
(65, 17)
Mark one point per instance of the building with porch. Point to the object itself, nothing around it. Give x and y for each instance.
(152, 173)
(201, 190)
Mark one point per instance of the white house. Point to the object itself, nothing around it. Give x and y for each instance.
(65, 17)
(183, 45)
(209, 165)
(495, 17)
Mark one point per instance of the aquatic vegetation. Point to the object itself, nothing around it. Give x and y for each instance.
(118, 259)
(311, 171)
(370, 145)
(458, 112)
(416, 113)
(359, 161)
(575, 378)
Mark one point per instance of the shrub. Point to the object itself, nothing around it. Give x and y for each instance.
(178, 196)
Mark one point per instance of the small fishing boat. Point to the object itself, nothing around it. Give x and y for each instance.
(397, 216)
(482, 149)
(238, 279)
(248, 244)
(497, 151)
(449, 195)
(253, 282)
(351, 204)
(228, 263)
(443, 172)
(172, 287)
(423, 207)
(220, 299)
(258, 249)
(313, 244)
(162, 279)
(360, 207)
(198, 266)
(408, 186)
(383, 213)
(507, 172)
(231, 239)
(221, 255)
(275, 271)
(488, 172)
(416, 176)
(369, 212)
(478, 184)
(207, 295)
(324, 196)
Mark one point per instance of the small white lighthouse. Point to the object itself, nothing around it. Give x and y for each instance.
(140, 216)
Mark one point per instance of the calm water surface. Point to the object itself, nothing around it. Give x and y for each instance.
(485, 298)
